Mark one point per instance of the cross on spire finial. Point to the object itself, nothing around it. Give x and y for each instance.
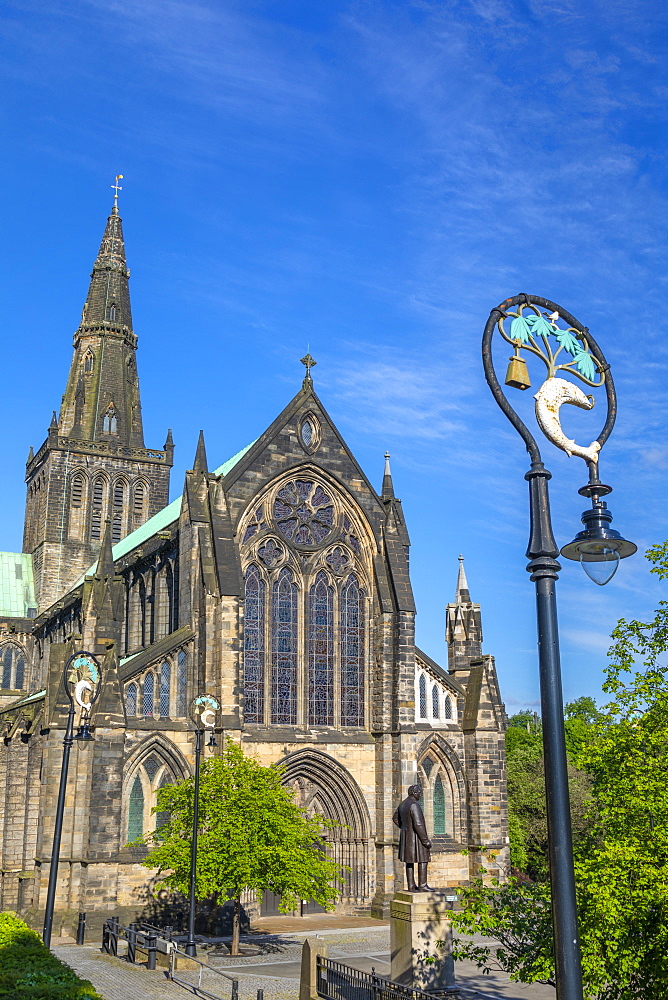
(116, 188)
(308, 361)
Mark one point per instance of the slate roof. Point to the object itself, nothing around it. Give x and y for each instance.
(17, 588)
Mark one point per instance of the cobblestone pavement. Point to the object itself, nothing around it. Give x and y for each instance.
(276, 971)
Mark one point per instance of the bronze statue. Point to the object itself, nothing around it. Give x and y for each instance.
(414, 842)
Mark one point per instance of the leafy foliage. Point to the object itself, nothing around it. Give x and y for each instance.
(621, 865)
(520, 329)
(566, 340)
(540, 327)
(29, 970)
(585, 365)
(252, 836)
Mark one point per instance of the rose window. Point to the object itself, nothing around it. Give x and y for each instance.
(303, 512)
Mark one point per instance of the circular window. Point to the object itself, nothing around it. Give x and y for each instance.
(303, 512)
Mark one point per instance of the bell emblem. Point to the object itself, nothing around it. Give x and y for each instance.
(518, 374)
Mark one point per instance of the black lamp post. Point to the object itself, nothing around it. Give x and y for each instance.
(543, 329)
(81, 680)
(204, 710)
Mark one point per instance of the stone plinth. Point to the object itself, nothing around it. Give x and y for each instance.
(421, 942)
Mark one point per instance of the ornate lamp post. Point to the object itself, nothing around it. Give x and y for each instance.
(543, 329)
(204, 711)
(81, 680)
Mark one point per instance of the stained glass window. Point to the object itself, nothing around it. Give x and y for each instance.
(448, 707)
(427, 765)
(257, 523)
(151, 765)
(353, 539)
(284, 650)
(254, 646)
(131, 700)
(165, 685)
(352, 653)
(439, 806)
(307, 433)
(136, 810)
(434, 702)
(147, 699)
(423, 697)
(321, 653)
(270, 553)
(304, 513)
(182, 684)
(13, 667)
(338, 559)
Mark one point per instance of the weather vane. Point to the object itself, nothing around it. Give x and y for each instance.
(309, 363)
(116, 188)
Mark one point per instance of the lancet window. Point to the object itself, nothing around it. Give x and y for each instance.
(305, 638)
(143, 785)
(13, 664)
(161, 691)
(437, 785)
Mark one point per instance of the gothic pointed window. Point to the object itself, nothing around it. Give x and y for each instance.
(165, 688)
(182, 684)
(163, 816)
(147, 695)
(136, 810)
(352, 653)
(89, 362)
(139, 504)
(78, 482)
(284, 650)
(13, 664)
(254, 645)
(423, 697)
(448, 707)
(98, 507)
(109, 420)
(434, 702)
(113, 312)
(321, 653)
(131, 700)
(118, 511)
(439, 806)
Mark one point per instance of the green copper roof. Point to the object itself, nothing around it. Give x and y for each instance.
(17, 589)
(162, 519)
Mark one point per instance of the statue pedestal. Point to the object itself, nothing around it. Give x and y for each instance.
(421, 930)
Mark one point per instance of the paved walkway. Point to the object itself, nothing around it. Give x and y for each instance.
(276, 971)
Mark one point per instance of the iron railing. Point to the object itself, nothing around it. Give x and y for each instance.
(336, 981)
(195, 982)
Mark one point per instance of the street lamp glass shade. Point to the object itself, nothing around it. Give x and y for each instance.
(599, 561)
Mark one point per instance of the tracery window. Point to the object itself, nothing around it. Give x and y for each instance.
(147, 694)
(304, 512)
(131, 700)
(165, 689)
(152, 774)
(109, 420)
(136, 810)
(112, 312)
(438, 794)
(182, 684)
(352, 654)
(12, 660)
(321, 652)
(423, 697)
(284, 650)
(254, 646)
(89, 361)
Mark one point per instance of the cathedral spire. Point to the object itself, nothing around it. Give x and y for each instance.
(200, 455)
(105, 560)
(101, 401)
(462, 593)
(388, 485)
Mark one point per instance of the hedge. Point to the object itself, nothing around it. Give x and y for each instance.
(29, 971)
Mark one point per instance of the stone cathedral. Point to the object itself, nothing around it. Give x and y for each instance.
(278, 582)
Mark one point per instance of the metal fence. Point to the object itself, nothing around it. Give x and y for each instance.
(192, 978)
(336, 981)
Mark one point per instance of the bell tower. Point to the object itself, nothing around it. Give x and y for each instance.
(93, 464)
(463, 628)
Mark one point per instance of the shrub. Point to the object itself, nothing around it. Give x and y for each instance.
(28, 970)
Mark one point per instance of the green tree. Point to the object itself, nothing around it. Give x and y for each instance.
(622, 874)
(252, 835)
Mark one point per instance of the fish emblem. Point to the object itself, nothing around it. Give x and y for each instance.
(551, 396)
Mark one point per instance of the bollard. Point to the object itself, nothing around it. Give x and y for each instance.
(132, 943)
(260, 995)
(105, 937)
(152, 947)
(235, 989)
(81, 928)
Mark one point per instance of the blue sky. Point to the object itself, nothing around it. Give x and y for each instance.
(369, 179)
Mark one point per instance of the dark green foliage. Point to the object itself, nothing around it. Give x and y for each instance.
(29, 971)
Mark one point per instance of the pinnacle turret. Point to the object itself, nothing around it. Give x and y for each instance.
(200, 455)
(462, 593)
(388, 485)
